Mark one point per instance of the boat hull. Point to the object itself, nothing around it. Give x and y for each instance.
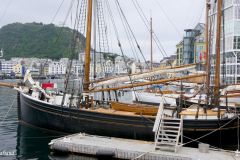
(73, 120)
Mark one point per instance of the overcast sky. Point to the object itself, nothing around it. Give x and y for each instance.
(170, 18)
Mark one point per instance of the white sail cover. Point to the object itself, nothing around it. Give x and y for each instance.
(31, 83)
(119, 80)
(186, 84)
(230, 88)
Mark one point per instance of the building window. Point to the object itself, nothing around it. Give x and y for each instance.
(228, 70)
(237, 2)
(238, 57)
(237, 12)
(236, 42)
(238, 69)
(227, 3)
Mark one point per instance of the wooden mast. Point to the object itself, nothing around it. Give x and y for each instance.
(207, 45)
(151, 50)
(88, 48)
(217, 63)
(207, 67)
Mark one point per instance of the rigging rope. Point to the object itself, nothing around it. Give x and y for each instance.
(130, 31)
(73, 50)
(146, 22)
(119, 44)
(170, 21)
(102, 36)
(10, 108)
(5, 10)
(55, 15)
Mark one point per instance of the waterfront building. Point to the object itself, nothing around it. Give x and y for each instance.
(230, 42)
(170, 61)
(99, 57)
(17, 69)
(58, 67)
(192, 48)
(6, 67)
(1, 53)
(179, 47)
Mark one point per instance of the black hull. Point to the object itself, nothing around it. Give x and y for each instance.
(185, 104)
(72, 120)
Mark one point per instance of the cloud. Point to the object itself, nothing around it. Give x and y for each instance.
(170, 18)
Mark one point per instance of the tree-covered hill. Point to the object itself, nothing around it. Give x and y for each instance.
(37, 40)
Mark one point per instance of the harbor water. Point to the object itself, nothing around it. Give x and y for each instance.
(19, 141)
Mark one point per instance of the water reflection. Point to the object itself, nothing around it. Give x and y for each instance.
(32, 143)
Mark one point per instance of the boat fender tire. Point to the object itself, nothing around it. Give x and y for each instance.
(105, 153)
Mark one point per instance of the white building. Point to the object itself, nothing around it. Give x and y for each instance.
(57, 68)
(99, 57)
(231, 40)
(6, 67)
(120, 66)
(1, 53)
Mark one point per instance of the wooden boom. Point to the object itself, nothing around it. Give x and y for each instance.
(150, 83)
(9, 85)
(155, 69)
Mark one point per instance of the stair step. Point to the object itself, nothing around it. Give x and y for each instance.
(165, 143)
(171, 119)
(170, 127)
(169, 135)
(172, 131)
(171, 123)
(167, 139)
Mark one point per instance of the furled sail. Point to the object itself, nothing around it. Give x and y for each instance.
(119, 80)
(28, 80)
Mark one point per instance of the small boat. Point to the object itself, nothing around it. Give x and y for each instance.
(136, 108)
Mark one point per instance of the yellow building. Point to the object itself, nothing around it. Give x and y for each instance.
(192, 48)
(17, 69)
(179, 47)
(46, 70)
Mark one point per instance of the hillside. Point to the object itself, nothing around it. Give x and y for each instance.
(37, 40)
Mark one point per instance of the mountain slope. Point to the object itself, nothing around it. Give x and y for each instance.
(37, 40)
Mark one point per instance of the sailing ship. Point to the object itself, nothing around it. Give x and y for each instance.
(72, 114)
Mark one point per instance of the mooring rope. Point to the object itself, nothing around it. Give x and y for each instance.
(9, 109)
(209, 132)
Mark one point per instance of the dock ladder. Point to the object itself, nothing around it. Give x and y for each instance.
(168, 131)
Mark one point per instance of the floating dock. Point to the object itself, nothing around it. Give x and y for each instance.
(130, 149)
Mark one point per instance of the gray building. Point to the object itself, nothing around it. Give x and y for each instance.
(230, 41)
